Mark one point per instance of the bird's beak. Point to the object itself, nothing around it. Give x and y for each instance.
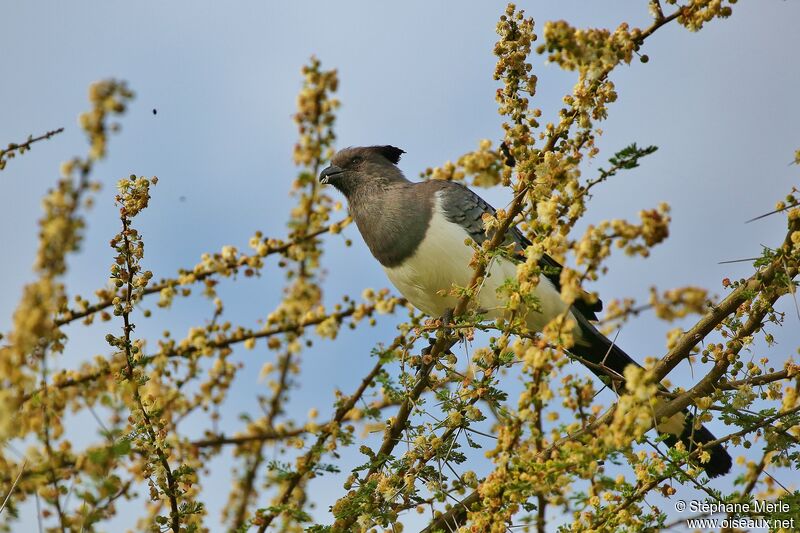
(328, 173)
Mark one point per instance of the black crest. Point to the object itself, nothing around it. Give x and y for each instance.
(392, 153)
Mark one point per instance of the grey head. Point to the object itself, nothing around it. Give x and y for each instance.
(392, 213)
(363, 167)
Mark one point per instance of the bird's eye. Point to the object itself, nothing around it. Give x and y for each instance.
(356, 160)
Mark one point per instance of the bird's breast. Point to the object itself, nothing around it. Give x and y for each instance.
(441, 262)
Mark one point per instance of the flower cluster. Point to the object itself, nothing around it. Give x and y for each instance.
(485, 166)
(60, 232)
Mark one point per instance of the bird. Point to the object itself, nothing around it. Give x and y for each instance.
(420, 233)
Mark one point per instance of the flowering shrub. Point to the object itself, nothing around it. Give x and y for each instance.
(437, 404)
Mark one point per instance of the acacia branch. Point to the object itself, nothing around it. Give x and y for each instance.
(768, 295)
(457, 515)
(72, 315)
(311, 458)
(224, 342)
(250, 474)
(271, 434)
(175, 523)
(763, 379)
(642, 491)
(14, 149)
(754, 284)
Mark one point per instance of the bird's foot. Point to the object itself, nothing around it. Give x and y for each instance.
(447, 320)
(426, 351)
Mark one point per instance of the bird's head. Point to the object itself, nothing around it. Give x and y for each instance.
(355, 167)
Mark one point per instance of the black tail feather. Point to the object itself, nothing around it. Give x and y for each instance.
(608, 361)
(720, 462)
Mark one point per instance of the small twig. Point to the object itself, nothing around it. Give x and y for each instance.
(249, 477)
(311, 458)
(747, 259)
(15, 148)
(49, 447)
(38, 512)
(656, 4)
(759, 217)
(13, 485)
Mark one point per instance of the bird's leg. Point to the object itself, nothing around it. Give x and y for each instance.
(445, 320)
(427, 350)
(447, 317)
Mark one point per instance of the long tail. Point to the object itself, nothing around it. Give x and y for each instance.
(604, 358)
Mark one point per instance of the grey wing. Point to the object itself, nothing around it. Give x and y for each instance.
(462, 206)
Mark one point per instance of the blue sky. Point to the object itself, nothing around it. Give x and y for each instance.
(719, 104)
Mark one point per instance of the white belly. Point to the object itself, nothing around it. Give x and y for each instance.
(442, 261)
